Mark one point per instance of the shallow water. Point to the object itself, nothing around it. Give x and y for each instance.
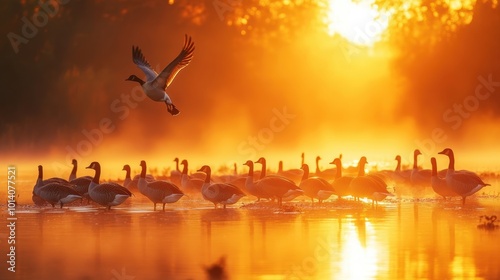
(399, 239)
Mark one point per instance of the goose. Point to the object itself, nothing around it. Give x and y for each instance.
(263, 174)
(40, 182)
(158, 191)
(341, 183)
(401, 176)
(106, 194)
(463, 182)
(156, 84)
(219, 193)
(293, 174)
(252, 188)
(439, 184)
(327, 174)
(80, 184)
(132, 184)
(57, 193)
(189, 183)
(273, 186)
(176, 174)
(419, 178)
(315, 187)
(368, 186)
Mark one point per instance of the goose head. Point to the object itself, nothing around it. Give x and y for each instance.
(94, 165)
(74, 162)
(126, 167)
(398, 158)
(249, 163)
(447, 152)
(336, 161)
(305, 167)
(417, 152)
(205, 168)
(143, 164)
(261, 160)
(134, 78)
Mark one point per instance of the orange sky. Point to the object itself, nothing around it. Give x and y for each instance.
(270, 80)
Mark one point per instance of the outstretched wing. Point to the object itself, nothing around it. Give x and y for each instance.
(182, 60)
(142, 63)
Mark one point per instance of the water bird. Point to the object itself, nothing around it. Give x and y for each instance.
(439, 184)
(315, 187)
(106, 194)
(327, 174)
(190, 183)
(40, 182)
(368, 186)
(57, 193)
(274, 186)
(341, 183)
(80, 184)
(463, 182)
(293, 174)
(219, 193)
(158, 191)
(156, 84)
(132, 184)
(419, 177)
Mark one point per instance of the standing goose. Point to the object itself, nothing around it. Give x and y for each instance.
(419, 178)
(401, 176)
(107, 194)
(132, 184)
(80, 184)
(176, 174)
(273, 186)
(216, 193)
(57, 193)
(158, 191)
(369, 186)
(315, 187)
(191, 184)
(439, 184)
(464, 183)
(293, 174)
(156, 84)
(40, 182)
(327, 174)
(341, 183)
(250, 186)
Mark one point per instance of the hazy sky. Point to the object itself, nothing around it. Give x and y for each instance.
(265, 81)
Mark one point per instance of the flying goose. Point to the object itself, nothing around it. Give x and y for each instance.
(158, 191)
(156, 84)
(439, 184)
(315, 187)
(462, 182)
(107, 194)
(216, 193)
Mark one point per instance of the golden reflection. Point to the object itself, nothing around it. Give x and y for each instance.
(359, 251)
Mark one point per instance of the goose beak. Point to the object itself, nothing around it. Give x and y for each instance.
(442, 152)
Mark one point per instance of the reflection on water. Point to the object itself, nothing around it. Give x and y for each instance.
(397, 240)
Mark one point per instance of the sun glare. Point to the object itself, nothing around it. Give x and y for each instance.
(360, 22)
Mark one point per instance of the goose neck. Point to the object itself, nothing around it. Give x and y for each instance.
(338, 165)
(208, 171)
(306, 172)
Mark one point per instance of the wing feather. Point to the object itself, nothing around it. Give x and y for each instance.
(165, 78)
(143, 64)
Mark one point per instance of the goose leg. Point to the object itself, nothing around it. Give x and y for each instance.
(154, 207)
(463, 200)
(163, 207)
(171, 109)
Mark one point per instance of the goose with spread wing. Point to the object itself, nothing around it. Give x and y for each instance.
(156, 84)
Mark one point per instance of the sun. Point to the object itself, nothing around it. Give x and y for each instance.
(360, 22)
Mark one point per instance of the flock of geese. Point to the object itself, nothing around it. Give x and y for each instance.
(285, 185)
